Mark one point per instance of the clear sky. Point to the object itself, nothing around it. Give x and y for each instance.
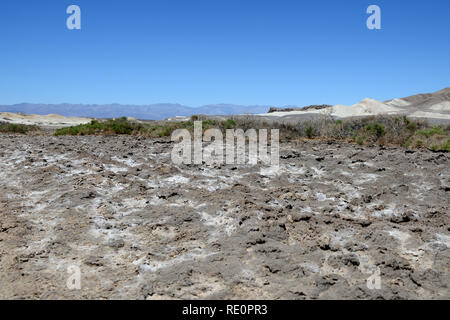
(198, 52)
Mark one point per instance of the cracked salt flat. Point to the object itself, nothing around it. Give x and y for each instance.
(115, 168)
(366, 178)
(221, 221)
(128, 161)
(176, 180)
(153, 266)
(323, 197)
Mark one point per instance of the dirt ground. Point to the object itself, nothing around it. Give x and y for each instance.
(139, 227)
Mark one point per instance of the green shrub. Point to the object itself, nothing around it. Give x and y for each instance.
(376, 129)
(364, 131)
(431, 132)
(165, 132)
(115, 126)
(444, 147)
(229, 124)
(406, 120)
(435, 147)
(412, 126)
(407, 143)
(359, 140)
(207, 123)
(309, 132)
(17, 128)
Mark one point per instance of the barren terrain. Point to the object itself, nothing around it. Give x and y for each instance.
(140, 227)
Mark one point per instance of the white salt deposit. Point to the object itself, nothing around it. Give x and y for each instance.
(442, 106)
(398, 103)
(366, 107)
(433, 115)
(34, 119)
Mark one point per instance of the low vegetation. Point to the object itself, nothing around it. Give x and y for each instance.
(375, 130)
(154, 129)
(17, 128)
(431, 132)
(115, 126)
(309, 132)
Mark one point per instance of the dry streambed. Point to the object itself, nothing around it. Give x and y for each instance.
(141, 228)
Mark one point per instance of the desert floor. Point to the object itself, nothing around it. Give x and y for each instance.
(139, 227)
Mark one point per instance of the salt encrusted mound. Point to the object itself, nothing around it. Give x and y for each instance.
(442, 106)
(398, 103)
(49, 120)
(366, 107)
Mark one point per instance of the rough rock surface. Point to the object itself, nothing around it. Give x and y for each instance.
(140, 227)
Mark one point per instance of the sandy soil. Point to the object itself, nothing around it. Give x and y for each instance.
(142, 228)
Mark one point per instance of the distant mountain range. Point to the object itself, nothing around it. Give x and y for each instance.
(437, 101)
(144, 112)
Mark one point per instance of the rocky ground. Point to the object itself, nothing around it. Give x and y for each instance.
(139, 227)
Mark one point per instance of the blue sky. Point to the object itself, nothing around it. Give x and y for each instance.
(199, 52)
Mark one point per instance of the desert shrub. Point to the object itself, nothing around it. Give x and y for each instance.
(229, 124)
(17, 128)
(121, 126)
(431, 132)
(309, 132)
(114, 126)
(406, 120)
(434, 138)
(198, 117)
(206, 124)
(443, 147)
(412, 126)
(376, 129)
(393, 130)
(407, 143)
(359, 140)
(435, 147)
(446, 145)
(165, 132)
(152, 129)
